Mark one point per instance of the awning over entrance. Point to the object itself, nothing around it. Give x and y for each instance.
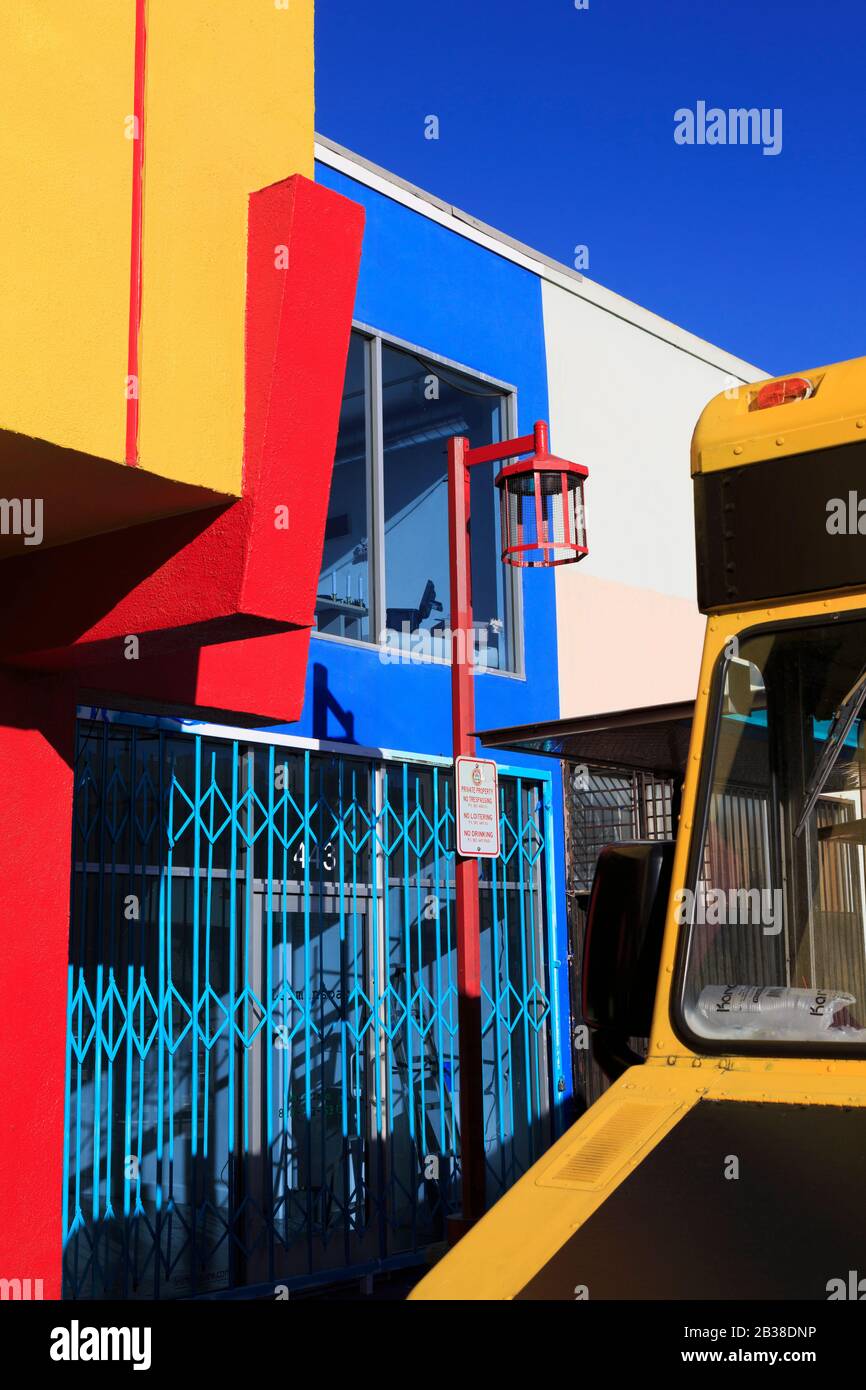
(651, 737)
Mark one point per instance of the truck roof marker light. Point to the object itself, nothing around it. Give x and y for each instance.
(792, 388)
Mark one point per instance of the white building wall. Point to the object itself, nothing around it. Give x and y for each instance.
(624, 399)
(625, 390)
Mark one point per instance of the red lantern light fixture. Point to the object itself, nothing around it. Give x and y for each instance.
(542, 524)
(542, 507)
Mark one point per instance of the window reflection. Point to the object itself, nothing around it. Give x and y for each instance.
(343, 601)
(423, 404)
(777, 921)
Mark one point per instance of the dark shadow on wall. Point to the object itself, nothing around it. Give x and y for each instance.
(324, 705)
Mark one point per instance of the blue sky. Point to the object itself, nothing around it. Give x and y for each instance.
(557, 126)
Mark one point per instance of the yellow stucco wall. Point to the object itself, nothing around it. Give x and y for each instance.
(228, 109)
(65, 179)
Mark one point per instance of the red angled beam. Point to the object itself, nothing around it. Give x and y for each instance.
(492, 453)
(233, 572)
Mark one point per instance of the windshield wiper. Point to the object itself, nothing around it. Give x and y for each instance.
(840, 727)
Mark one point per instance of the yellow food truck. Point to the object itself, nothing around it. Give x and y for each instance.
(731, 1163)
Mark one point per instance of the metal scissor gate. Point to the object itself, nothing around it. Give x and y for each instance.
(262, 1052)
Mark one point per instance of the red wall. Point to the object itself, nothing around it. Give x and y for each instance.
(35, 858)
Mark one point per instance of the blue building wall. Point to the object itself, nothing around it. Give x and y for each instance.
(447, 295)
(423, 283)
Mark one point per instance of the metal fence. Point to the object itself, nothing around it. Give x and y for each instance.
(262, 1049)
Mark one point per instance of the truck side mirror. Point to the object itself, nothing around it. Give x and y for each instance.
(622, 946)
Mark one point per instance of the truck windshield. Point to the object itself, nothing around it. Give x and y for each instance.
(776, 909)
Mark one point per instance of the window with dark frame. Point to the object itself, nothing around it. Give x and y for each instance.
(385, 560)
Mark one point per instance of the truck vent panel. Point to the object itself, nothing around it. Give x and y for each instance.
(594, 1160)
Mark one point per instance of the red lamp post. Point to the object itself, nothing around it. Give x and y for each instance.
(543, 524)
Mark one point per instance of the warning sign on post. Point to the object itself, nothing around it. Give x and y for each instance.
(477, 808)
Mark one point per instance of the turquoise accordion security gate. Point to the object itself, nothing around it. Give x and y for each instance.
(262, 1051)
